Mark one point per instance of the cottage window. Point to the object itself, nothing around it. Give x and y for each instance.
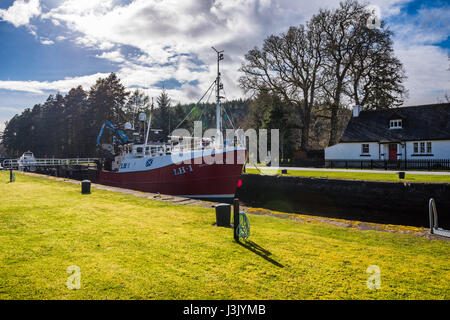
(423, 148)
(395, 124)
(365, 148)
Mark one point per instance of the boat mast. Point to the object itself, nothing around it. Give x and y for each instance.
(149, 124)
(218, 97)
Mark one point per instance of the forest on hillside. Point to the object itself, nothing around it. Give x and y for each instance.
(302, 81)
(67, 126)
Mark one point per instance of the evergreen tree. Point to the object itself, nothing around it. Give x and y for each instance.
(137, 102)
(76, 123)
(106, 102)
(163, 115)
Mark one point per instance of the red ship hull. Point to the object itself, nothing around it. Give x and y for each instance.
(195, 180)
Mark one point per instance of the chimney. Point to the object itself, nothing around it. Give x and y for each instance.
(356, 110)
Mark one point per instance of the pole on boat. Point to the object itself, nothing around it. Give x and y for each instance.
(218, 97)
(149, 124)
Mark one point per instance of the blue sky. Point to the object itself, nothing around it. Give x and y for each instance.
(53, 45)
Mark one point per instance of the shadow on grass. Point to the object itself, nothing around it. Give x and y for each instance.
(228, 227)
(260, 251)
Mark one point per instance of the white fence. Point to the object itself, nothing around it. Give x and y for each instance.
(16, 163)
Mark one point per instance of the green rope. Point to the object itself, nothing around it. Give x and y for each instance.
(243, 229)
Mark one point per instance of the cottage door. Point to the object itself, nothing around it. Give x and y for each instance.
(393, 151)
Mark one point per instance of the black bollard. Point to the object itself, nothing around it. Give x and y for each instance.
(85, 187)
(401, 175)
(236, 219)
(223, 215)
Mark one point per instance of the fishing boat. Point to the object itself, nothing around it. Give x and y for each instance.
(188, 166)
(26, 162)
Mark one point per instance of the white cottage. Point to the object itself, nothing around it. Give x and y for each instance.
(420, 132)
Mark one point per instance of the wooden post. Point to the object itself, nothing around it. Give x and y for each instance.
(236, 219)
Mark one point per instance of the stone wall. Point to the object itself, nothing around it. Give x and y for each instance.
(371, 201)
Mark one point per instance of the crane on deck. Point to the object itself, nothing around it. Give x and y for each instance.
(118, 137)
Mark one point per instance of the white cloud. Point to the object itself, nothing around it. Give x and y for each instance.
(40, 87)
(162, 30)
(46, 41)
(21, 12)
(92, 43)
(428, 26)
(10, 109)
(114, 56)
(425, 63)
(170, 34)
(426, 67)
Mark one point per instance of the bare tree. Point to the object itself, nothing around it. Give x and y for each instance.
(359, 64)
(341, 43)
(288, 66)
(320, 68)
(376, 76)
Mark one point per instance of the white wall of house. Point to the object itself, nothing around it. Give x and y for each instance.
(349, 151)
(353, 151)
(440, 149)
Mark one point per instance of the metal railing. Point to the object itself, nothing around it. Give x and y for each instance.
(10, 164)
(16, 163)
(434, 227)
(415, 164)
(409, 164)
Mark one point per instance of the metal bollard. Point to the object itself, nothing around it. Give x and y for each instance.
(236, 219)
(433, 215)
(85, 187)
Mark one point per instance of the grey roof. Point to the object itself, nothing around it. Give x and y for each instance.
(426, 122)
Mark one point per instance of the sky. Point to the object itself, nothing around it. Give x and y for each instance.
(50, 46)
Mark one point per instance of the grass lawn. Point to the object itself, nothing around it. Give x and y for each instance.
(134, 248)
(355, 175)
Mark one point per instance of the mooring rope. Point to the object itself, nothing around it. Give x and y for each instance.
(243, 229)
